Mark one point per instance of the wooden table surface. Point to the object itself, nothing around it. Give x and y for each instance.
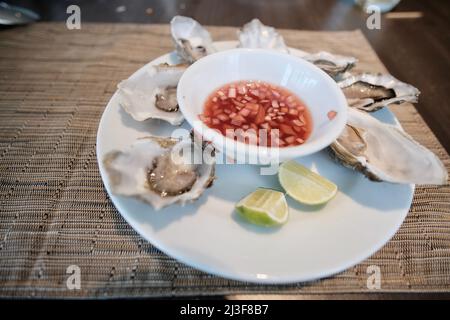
(415, 48)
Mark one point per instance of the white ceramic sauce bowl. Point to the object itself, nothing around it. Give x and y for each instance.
(314, 87)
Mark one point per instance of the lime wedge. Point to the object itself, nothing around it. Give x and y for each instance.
(264, 207)
(304, 185)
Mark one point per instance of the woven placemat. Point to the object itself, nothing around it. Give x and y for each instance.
(54, 211)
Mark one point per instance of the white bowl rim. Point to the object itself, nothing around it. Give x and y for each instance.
(290, 152)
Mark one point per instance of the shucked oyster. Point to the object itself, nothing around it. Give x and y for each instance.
(385, 153)
(335, 65)
(192, 41)
(160, 171)
(152, 94)
(257, 35)
(370, 92)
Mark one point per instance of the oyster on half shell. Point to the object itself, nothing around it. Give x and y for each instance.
(384, 152)
(160, 171)
(192, 41)
(370, 92)
(152, 94)
(335, 65)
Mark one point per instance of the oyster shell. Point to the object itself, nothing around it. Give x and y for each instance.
(385, 153)
(335, 65)
(257, 35)
(192, 41)
(370, 92)
(153, 170)
(152, 94)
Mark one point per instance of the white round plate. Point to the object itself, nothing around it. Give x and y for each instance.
(208, 235)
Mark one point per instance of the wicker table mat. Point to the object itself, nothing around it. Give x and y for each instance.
(54, 211)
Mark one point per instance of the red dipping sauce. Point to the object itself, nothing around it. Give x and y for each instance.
(255, 105)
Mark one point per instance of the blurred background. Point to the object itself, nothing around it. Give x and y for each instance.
(413, 41)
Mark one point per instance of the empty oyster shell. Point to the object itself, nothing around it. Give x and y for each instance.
(370, 92)
(385, 153)
(192, 41)
(335, 65)
(257, 35)
(153, 170)
(152, 94)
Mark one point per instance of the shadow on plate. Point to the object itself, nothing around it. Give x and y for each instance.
(156, 127)
(143, 213)
(253, 228)
(246, 178)
(380, 195)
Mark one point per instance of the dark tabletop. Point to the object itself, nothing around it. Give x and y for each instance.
(414, 47)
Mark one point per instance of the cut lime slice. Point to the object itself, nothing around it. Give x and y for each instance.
(264, 207)
(304, 185)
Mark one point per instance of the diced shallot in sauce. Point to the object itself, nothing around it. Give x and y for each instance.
(331, 114)
(255, 107)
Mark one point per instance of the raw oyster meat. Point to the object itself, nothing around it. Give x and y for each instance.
(257, 35)
(192, 41)
(385, 153)
(152, 94)
(160, 171)
(335, 65)
(370, 92)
